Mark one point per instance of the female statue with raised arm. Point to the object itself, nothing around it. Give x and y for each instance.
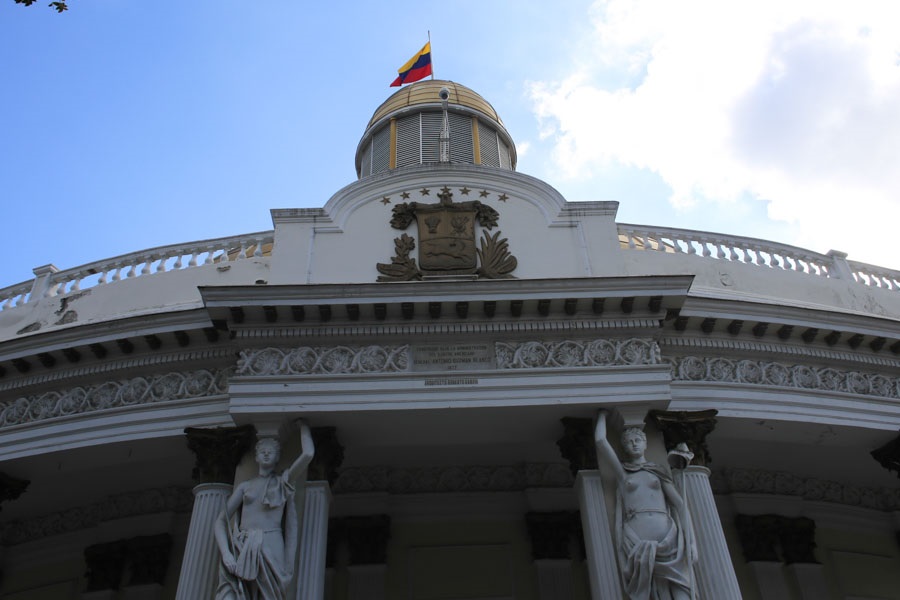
(655, 539)
(257, 531)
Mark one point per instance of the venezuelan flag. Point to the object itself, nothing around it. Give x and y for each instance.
(416, 68)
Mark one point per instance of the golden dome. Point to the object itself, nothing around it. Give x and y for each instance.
(426, 92)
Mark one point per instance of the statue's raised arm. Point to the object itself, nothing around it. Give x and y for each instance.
(297, 470)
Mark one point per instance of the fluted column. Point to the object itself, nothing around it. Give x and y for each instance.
(199, 569)
(313, 540)
(598, 539)
(218, 452)
(715, 572)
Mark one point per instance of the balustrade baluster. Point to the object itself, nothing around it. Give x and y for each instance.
(258, 251)
(146, 268)
(131, 272)
(704, 243)
(209, 255)
(243, 253)
(161, 267)
(629, 235)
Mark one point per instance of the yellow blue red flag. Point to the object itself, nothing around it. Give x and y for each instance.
(416, 68)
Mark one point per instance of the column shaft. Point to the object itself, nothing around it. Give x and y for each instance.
(598, 540)
(313, 541)
(715, 573)
(199, 569)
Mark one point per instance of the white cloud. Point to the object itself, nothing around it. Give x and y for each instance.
(794, 103)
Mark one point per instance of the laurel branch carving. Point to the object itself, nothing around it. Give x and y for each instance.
(115, 394)
(757, 481)
(332, 360)
(120, 506)
(572, 353)
(422, 480)
(760, 372)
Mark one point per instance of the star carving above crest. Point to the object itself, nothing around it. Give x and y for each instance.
(502, 197)
(404, 195)
(385, 200)
(484, 193)
(464, 191)
(425, 192)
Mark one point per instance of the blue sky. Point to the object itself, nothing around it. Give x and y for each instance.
(129, 124)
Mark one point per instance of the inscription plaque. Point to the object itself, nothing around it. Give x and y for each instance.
(453, 357)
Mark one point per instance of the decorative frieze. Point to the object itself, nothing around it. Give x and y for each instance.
(504, 478)
(761, 372)
(115, 394)
(120, 506)
(756, 481)
(329, 360)
(577, 353)
(224, 355)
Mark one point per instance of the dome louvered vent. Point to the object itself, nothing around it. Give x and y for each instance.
(405, 130)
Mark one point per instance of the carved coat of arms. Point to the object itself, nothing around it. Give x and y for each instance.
(447, 247)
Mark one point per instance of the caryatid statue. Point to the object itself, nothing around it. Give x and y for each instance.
(257, 531)
(656, 547)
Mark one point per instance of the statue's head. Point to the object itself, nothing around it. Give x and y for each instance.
(634, 442)
(268, 451)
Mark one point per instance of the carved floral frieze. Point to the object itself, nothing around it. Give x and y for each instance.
(577, 353)
(757, 481)
(761, 372)
(120, 506)
(330, 360)
(115, 394)
(503, 478)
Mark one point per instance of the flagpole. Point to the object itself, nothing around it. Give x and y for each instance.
(432, 55)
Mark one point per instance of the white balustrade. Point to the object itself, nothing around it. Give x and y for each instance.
(140, 264)
(875, 276)
(724, 247)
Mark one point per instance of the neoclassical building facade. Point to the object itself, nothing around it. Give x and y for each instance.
(450, 329)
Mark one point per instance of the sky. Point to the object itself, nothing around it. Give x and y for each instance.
(128, 124)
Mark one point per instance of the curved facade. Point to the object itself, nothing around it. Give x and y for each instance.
(450, 331)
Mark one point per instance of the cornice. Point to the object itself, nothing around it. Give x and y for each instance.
(804, 353)
(446, 291)
(721, 306)
(97, 333)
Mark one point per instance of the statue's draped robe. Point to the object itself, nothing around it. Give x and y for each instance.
(651, 568)
(261, 572)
